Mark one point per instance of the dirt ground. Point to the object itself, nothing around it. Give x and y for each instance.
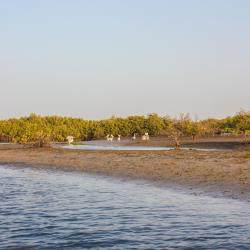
(217, 142)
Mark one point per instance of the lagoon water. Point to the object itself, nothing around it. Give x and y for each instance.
(117, 146)
(52, 209)
(105, 145)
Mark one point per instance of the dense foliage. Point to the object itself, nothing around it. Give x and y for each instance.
(56, 128)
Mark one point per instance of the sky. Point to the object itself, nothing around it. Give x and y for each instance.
(94, 58)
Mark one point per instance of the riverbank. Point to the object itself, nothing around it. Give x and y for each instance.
(226, 173)
(215, 142)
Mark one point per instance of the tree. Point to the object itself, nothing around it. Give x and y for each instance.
(210, 127)
(56, 128)
(193, 129)
(241, 123)
(154, 124)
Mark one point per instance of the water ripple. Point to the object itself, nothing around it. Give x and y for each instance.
(45, 209)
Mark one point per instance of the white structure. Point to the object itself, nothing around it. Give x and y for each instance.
(145, 137)
(70, 139)
(119, 138)
(110, 137)
(134, 137)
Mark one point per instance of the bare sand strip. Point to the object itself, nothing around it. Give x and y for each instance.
(226, 173)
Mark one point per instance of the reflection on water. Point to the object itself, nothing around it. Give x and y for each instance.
(45, 209)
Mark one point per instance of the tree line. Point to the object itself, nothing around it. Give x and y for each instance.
(57, 128)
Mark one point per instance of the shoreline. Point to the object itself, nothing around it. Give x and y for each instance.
(187, 188)
(222, 173)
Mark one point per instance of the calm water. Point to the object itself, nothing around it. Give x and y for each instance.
(115, 147)
(104, 145)
(52, 209)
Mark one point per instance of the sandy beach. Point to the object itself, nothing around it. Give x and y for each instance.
(224, 173)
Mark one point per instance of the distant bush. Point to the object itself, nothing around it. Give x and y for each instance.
(35, 128)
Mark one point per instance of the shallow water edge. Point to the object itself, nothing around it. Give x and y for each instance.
(213, 190)
(51, 209)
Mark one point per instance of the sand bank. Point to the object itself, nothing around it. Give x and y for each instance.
(225, 173)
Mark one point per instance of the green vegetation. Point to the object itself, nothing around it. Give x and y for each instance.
(55, 128)
(248, 153)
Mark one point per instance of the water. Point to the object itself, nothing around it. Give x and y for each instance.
(52, 209)
(104, 145)
(115, 147)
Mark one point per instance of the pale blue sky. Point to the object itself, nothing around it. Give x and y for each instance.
(94, 59)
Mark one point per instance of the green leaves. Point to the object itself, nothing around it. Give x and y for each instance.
(56, 128)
